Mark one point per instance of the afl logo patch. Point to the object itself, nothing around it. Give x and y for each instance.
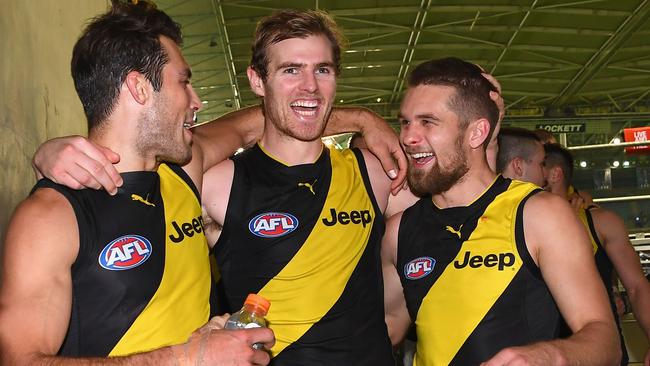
(125, 252)
(273, 224)
(419, 267)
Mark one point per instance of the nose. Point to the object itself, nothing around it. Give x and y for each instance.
(195, 101)
(410, 135)
(308, 82)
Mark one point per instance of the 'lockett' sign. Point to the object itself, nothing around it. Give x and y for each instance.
(562, 127)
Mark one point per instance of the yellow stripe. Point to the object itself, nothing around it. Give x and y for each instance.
(460, 298)
(311, 283)
(583, 217)
(181, 303)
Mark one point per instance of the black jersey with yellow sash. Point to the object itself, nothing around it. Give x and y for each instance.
(141, 279)
(469, 281)
(307, 237)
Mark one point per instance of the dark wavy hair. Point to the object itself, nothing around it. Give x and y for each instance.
(124, 39)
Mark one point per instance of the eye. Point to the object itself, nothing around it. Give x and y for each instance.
(403, 122)
(290, 70)
(324, 70)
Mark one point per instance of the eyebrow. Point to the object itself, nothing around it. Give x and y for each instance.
(419, 116)
(296, 64)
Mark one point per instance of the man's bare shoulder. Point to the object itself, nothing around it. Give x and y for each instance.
(44, 218)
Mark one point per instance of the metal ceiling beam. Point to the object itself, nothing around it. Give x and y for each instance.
(528, 29)
(599, 59)
(514, 35)
(635, 101)
(227, 51)
(418, 24)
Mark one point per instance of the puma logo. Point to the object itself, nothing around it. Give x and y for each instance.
(135, 197)
(452, 230)
(309, 186)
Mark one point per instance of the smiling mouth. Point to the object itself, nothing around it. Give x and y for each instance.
(421, 158)
(306, 108)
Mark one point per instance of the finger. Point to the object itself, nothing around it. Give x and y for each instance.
(260, 358)
(218, 322)
(399, 182)
(94, 174)
(493, 81)
(260, 335)
(75, 177)
(102, 168)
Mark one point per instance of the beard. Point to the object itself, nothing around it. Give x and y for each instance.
(438, 180)
(158, 135)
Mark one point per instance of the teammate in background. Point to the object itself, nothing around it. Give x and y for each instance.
(478, 264)
(302, 224)
(578, 199)
(87, 275)
(521, 156)
(544, 136)
(611, 246)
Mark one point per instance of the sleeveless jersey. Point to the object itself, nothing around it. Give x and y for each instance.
(141, 279)
(307, 238)
(469, 281)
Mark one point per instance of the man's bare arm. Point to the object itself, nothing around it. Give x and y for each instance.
(614, 237)
(77, 163)
(36, 296)
(396, 314)
(559, 245)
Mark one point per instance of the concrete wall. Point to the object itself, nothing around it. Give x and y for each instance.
(37, 97)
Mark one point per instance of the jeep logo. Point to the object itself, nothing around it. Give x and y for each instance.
(195, 226)
(500, 260)
(344, 218)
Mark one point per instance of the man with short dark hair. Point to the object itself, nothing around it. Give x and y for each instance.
(520, 156)
(90, 278)
(479, 264)
(611, 245)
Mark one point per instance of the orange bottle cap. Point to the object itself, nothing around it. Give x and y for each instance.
(259, 301)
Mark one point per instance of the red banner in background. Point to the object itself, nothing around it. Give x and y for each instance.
(638, 134)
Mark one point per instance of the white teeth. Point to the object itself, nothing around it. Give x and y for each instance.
(305, 103)
(187, 124)
(421, 155)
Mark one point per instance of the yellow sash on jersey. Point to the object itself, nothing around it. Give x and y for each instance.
(311, 283)
(181, 303)
(442, 323)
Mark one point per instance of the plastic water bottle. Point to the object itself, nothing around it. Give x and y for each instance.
(250, 316)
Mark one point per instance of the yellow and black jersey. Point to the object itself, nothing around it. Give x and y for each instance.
(141, 279)
(307, 237)
(469, 281)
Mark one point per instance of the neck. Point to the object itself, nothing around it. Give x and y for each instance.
(470, 187)
(289, 150)
(561, 190)
(123, 144)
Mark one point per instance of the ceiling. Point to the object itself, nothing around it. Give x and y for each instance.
(556, 60)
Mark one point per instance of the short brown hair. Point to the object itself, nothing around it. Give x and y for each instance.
(471, 99)
(287, 24)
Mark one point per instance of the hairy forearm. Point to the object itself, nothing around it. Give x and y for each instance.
(161, 357)
(595, 344)
(220, 138)
(349, 119)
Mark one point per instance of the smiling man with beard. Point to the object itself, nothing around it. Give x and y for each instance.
(479, 262)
